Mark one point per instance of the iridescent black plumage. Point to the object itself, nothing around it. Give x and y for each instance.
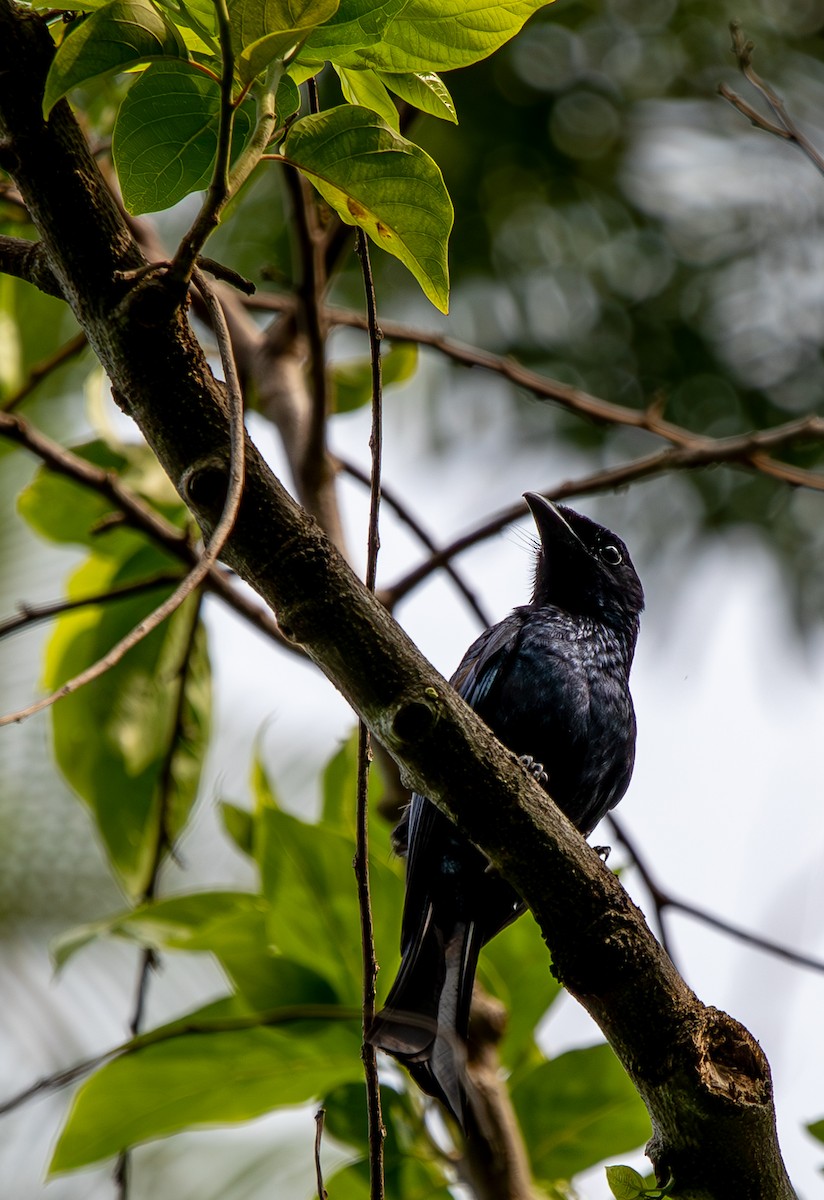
(551, 680)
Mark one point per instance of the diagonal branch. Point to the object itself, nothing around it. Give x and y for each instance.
(663, 901)
(749, 450)
(31, 614)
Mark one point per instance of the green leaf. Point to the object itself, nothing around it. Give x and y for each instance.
(67, 512)
(515, 967)
(365, 88)
(32, 326)
(625, 1183)
(11, 342)
(197, 17)
(308, 879)
(120, 741)
(165, 138)
(240, 826)
(388, 186)
(203, 1079)
(817, 1129)
(352, 380)
(64, 511)
(426, 91)
(230, 925)
(234, 927)
(188, 922)
(263, 790)
(338, 789)
(356, 23)
(439, 35)
(122, 34)
(265, 30)
(287, 98)
(576, 1110)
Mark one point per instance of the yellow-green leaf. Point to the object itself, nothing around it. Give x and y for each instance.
(264, 30)
(379, 181)
(367, 90)
(424, 90)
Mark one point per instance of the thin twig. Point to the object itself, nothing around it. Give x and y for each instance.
(783, 127)
(148, 963)
(319, 1118)
(586, 405)
(226, 275)
(401, 509)
(52, 1083)
(138, 514)
(42, 369)
(122, 1174)
(743, 935)
(31, 614)
(370, 964)
(149, 958)
(211, 551)
(663, 900)
(166, 783)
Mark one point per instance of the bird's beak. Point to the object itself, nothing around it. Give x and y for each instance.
(552, 524)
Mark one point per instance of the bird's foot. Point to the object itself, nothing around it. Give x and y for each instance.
(535, 769)
(603, 852)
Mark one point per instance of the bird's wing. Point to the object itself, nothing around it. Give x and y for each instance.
(485, 659)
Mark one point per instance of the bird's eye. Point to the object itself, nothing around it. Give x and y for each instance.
(611, 555)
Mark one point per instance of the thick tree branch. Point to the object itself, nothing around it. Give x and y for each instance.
(703, 1078)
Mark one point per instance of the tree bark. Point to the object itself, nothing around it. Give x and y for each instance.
(703, 1078)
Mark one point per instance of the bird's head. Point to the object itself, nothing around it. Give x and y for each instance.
(582, 568)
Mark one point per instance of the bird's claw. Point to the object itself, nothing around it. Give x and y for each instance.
(535, 769)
